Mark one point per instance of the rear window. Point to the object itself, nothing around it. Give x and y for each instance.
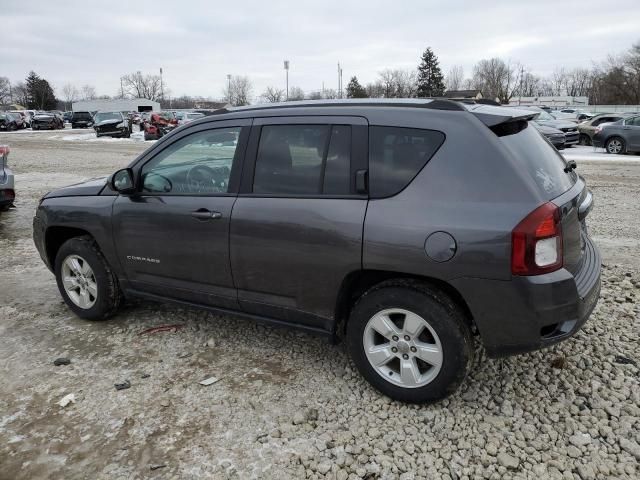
(82, 115)
(541, 160)
(396, 155)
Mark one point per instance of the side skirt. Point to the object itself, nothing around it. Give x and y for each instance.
(257, 318)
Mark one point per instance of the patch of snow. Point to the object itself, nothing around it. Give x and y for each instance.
(592, 154)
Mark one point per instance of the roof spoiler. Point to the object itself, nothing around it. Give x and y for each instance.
(493, 116)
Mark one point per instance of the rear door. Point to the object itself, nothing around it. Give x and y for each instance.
(296, 228)
(172, 237)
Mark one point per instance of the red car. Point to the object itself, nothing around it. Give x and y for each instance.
(159, 124)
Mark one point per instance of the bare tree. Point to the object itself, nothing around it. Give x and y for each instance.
(5, 91)
(88, 92)
(330, 93)
(398, 83)
(374, 90)
(296, 93)
(238, 91)
(272, 95)
(70, 94)
(138, 85)
(528, 85)
(455, 78)
(495, 79)
(20, 93)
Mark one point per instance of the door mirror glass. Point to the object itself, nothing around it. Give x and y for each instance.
(122, 181)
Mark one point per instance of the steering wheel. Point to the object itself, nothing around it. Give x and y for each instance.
(201, 178)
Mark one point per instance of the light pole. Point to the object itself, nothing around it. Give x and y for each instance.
(286, 69)
(229, 87)
(161, 86)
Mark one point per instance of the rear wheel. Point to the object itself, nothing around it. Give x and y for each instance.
(615, 145)
(410, 341)
(85, 280)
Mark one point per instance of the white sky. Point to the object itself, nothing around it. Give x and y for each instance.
(198, 42)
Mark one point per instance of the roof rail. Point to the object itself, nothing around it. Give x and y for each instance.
(431, 103)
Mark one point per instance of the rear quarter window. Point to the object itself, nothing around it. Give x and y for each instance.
(541, 161)
(396, 156)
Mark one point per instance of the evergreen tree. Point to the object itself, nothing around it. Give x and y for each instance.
(355, 90)
(430, 78)
(40, 95)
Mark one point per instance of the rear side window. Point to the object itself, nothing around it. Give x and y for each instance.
(635, 121)
(303, 160)
(541, 160)
(396, 155)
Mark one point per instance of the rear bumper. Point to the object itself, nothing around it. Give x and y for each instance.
(572, 138)
(530, 313)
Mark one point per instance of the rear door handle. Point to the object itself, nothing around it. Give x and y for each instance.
(204, 214)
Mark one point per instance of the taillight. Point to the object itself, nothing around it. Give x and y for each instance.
(598, 129)
(536, 242)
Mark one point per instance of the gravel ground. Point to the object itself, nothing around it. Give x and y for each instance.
(287, 405)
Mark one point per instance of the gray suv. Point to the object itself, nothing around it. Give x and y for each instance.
(404, 228)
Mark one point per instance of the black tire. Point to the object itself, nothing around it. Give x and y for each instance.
(608, 146)
(442, 314)
(584, 139)
(34, 127)
(108, 297)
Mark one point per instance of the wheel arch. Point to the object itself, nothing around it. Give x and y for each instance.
(55, 236)
(358, 282)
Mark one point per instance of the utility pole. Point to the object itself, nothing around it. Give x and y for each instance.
(229, 87)
(339, 81)
(286, 69)
(521, 75)
(121, 89)
(161, 86)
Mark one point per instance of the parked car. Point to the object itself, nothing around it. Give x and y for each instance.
(67, 116)
(187, 117)
(578, 114)
(112, 124)
(158, 125)
(19, 119)
(46, 121)
(313, 215)
(588, 129)
(26, 117)
(7, 188)
(570, 129)
(555, 136)
(8, 122)
(81, 120)
(622, 136)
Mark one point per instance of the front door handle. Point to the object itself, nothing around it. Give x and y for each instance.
(204, 214)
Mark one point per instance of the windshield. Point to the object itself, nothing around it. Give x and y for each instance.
(167, 115)
(541, 160)
(544, 115)
(102, 116)
(85, 115)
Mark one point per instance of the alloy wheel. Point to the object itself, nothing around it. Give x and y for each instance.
(79, 281)
(403, 348)
(614, 146)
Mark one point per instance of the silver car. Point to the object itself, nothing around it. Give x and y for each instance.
(619, 137)
(7, 191)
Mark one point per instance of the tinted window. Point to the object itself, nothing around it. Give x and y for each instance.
(303, 160)
(541, 160)
(396, 155)
(199, 163)
(337, 173)
(635, 121)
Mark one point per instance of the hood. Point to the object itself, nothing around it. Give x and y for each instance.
(546, 130)
(111, 121)
(91, 187)
(557, 124)
(43, 116)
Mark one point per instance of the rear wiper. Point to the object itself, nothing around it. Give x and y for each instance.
(571, 165)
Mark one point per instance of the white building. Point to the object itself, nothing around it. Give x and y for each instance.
(116, 105)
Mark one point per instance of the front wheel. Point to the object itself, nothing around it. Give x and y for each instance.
(615, 145)
(410, 341)
(85, 281)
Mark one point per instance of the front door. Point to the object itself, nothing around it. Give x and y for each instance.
(172, 238)
(296, 228)
(632, 133)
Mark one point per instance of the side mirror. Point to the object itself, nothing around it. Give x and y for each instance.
(122, 182)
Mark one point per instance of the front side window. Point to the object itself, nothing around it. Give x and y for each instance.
(396, 155)
(199, 163)
(634, 121)
(303, 160)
